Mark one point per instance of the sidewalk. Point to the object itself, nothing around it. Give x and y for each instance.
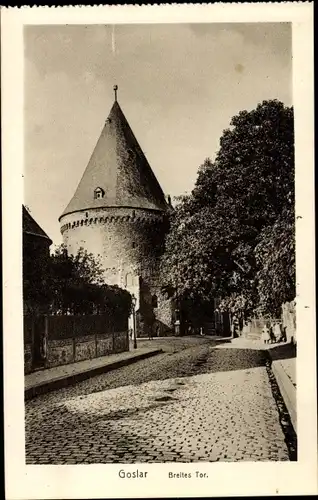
(284, 370)
(50, 379)
(283, 366)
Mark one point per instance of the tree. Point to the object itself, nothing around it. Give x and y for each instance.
(211, 246)
(74, 280)
(77, 286)
(114, 301)
(275, 257)
(36, 295)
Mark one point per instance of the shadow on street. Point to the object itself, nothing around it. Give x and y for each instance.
(284, 351)
(233, 359)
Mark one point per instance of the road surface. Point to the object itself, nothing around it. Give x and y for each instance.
(198, 401)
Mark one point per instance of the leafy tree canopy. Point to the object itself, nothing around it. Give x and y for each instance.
(74, 284)
(221, 233)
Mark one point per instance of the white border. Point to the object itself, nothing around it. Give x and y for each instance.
(95, 481)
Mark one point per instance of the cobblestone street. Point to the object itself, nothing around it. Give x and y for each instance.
(198, 401)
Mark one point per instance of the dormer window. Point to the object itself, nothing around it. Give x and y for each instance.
(99, 193)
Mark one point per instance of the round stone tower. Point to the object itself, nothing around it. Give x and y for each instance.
(119, 212)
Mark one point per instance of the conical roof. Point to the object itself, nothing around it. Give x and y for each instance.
(30, 226)
(120, 169)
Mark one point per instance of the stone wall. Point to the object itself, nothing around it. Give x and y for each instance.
(66, 341)
(124, 238)
(121, 342)
(104, 345)
(164, 314)
(130, 242)
(66, 351)
(85, 348)
(59, 352)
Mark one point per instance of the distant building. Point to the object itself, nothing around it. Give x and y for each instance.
(119, 212)
(36, 254)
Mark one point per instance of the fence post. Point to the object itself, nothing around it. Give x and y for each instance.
(32, 339)
(73, 338)
(46, 338)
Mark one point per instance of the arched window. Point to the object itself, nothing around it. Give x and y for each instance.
(99, 193)
(154, 301)
(129, 279)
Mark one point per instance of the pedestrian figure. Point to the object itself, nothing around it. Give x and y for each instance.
(284, 335)
(235, 326)
(277, 332)
(150, 333)
(266, 335)
(43, 346)
(271, 334)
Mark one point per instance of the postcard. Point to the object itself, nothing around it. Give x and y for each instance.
(158, 229)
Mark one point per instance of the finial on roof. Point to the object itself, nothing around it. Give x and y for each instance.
(115, 90)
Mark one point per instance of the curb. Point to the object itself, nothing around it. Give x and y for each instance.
(59, 383)
(287, 389)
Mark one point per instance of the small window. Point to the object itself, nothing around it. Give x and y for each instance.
(86, 214)
(99, 193)
(134, 245)
(154, 301)
(129, 280)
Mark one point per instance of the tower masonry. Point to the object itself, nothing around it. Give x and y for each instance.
(120, 213)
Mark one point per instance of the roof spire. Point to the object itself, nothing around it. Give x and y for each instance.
(133, 186)
(115, 90)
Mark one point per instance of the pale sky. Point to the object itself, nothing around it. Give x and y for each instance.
(179, 86)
